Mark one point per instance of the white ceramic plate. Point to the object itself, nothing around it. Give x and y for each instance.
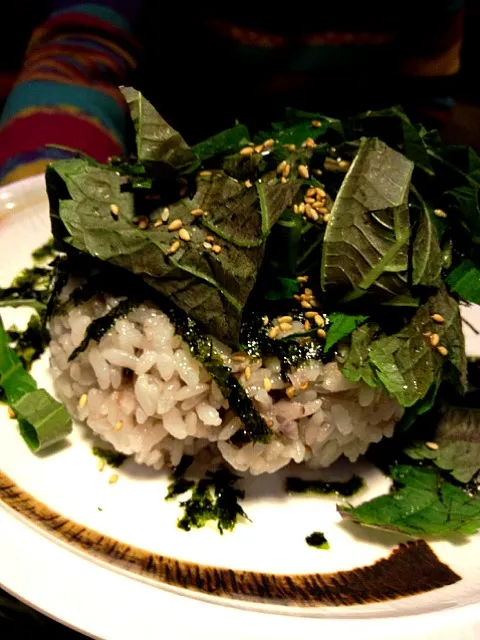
(110, 561)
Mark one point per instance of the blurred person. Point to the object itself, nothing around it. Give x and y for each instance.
(203, 68)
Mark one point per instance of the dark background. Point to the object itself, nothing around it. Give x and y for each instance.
(20, 17)
(18, 20)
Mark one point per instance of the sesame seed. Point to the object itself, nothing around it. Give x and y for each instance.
(142, 222)
(440, 213)
(316, 123)
(273, 333)
(310, 143)
(175, 225)
(318, 205)
(436, 317)
(268, 144)
(308, 291)
(281, 166)
(246, 151)
(11, 413)
(443, 351)
(317, 172)
(286, 170)
(434, 339)
(311, 314)
(285, 326)
(113, 478)
(285, 319)
(308, 200)
(118, 426)
(344, 164)
(319, 321)
(291, 391)
(432, 445)
(326, 218)
(321, 333)
(303, 386)
(184, 235)
(311, 192)
(114, 210)
(248, 373)
(303, 171)
(301, 207)
(82, 403)
(427, 334)
(265, 320)
(295, 208)
(174, 247)
(311, 213)
(248, 184)
(290, 147)
(158, 223)
(207, 245)
(101, 464)
(267, 384)
(216, 248)
(323, 210)
(259, 148)
(165, 214)
(204, 174)
(283, 180)
(210, 239)
(197, 213)
(320, 192)
(296, 297)
(306, 305)
(270, 423)
(239, 357)
(302, 279)
(307, 325)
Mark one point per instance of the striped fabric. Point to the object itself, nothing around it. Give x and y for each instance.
(352, 53)
(67, 95)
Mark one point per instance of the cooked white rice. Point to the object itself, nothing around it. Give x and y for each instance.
(147, 396)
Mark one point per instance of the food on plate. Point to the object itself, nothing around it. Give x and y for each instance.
(262, 299)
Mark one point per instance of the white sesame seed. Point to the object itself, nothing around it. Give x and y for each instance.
(207, 245)
(285, 326)
(113, 478)
(216, 248)
(101, 464)
(321, 333)
(295, 208)
(326, 218)
(432, 445)
(118, 426)
(283, 180)
(440, 213)
(273, 333)
(306, 305)
(204, 174)
(248, 184)
(248, 373)
(443, 351)
(239, 357)
(303, 171)
(114, 210)
(157, 223)
(316, 123)
(143, 222)
(302, 279)
(436, 317)
(82, 403)
(267, 384)
(311, 314)
(301, 207)
(307, 325)
(259, 148)
(319, 321)
(197, 212)
(175, 225)
(174, 247)
(184, 235)
(165, 214)
(268, 144)
(285, 319)
(246, 151)
(286, 170)
(265, 320)
(434, 339)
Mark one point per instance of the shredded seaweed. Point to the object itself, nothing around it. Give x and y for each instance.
(317, 540)
(345, 489)
(30, 343)
(99, 327)
(214, 498)
(111, 457)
